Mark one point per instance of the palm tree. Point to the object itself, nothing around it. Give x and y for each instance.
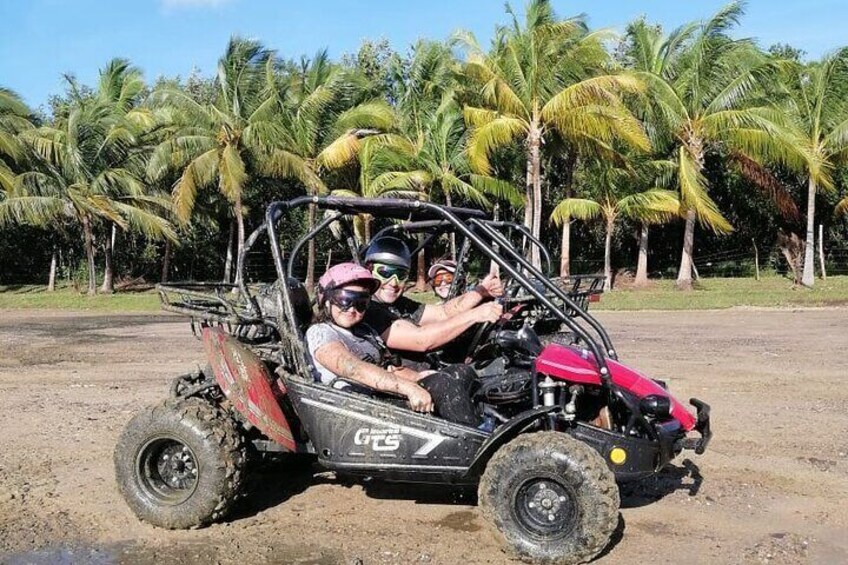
(616, 198)
(540, 78)
(702, 89)
(238, 136)
(83, 167)
(820, 111)
(439, 167)
(14, 118)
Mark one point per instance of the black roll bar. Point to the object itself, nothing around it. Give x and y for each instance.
(305, 239)
(526, 233)
(275, 209)
(610, 351)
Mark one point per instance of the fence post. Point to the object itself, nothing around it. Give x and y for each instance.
(821, 251)
(756, 259)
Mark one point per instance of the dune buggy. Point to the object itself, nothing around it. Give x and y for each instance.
(572, 420)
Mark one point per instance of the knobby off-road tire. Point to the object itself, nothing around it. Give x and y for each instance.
(552, 497)
(180, 464)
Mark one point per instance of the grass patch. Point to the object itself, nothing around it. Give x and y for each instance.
(32, 296)
(716, 293)
(709, 294)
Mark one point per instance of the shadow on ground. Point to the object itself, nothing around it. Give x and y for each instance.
(686, 477)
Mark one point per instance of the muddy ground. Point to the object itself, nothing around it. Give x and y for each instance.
(772, 488)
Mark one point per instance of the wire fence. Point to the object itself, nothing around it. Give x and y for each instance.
(737, 262)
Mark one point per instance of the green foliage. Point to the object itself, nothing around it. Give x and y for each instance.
(662, 124)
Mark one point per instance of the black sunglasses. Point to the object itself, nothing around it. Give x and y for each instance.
(346, 299)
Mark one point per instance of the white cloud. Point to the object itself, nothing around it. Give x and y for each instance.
(180, 4)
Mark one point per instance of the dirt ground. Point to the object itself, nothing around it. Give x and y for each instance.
(771, 489)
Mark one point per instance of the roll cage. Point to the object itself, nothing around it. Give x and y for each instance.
(485, 236)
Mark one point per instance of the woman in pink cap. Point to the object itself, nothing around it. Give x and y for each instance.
(348, 354)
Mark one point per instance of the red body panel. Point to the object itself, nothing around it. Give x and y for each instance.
(245, 380)
(578, 366)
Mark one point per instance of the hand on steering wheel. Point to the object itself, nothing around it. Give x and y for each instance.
(491, 314)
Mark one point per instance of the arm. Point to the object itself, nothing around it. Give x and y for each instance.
(489, 287)
(409, 374)
(338, 359)
(407, 336)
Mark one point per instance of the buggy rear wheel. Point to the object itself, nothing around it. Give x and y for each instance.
(552, 497)
(180, 464)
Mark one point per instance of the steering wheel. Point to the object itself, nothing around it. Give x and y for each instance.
(484, 329)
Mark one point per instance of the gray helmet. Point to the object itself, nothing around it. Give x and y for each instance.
(388, 250)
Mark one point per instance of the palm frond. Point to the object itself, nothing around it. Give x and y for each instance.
(841, 207)
(498, 188)
(578, 208)
(693, 195)
(485, 139)
(147, 222)
(200, 172)
(653, 206)
(407, 181)
(763, 179)
(284, 164)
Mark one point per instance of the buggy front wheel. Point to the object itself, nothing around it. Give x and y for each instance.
(552, 497)
(180, 464)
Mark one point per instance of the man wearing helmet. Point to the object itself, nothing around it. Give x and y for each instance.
(410, 326)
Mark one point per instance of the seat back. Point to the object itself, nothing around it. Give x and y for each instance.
(301, 303)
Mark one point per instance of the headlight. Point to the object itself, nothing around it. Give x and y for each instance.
(656, 406)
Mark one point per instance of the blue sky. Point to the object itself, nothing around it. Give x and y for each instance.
(44, 38)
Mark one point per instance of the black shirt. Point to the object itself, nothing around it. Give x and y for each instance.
(381, 316)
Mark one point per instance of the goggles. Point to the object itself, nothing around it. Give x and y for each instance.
(346, 299)
(444, 277)
(385, 273)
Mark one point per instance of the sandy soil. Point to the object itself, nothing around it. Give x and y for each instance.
(771, 489)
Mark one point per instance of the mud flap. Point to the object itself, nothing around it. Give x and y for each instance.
(246, 382)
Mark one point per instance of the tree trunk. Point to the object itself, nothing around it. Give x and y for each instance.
(821, 252)
(366, 222)
(51, 283)
(608, 255)
(535, 158)
(807, 279)
(453, 233)
(528, 193)
(310, 253)
(642, 265)
(565, 257)
(421, 279)
(89, 253)
(240, 240)
(684, 275)
(756, 259)
(228, 263)
(166, 262)
(108, 286)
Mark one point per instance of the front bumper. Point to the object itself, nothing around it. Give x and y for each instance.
(702, 426)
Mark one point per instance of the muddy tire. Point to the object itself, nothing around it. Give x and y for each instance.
(552, 497)
(180, 464)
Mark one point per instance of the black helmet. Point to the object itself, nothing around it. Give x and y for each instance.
(388, 250)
